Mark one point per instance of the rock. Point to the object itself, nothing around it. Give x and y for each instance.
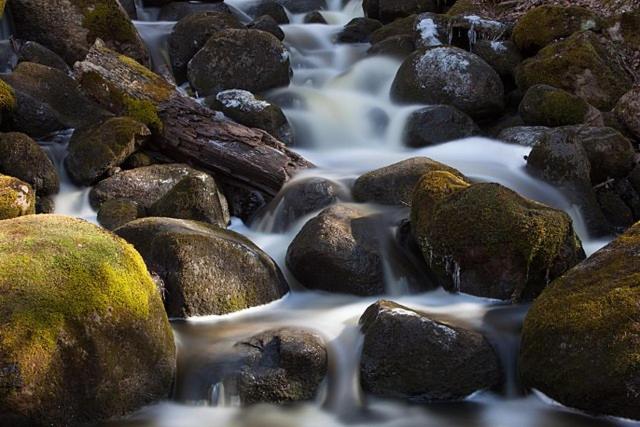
(399, 46)
(195, 197)
(619, 215)
(502, 55)
(78, 25)
(584, 324)
(624, 28)
(97, 151)
(528, 136)
(191, 33)
(545, 105)
(634, 178)
(339, 251)
(466, 7)
(408, 26)
(387, 11)
(545, 24)
(130, 7)
(116, 213)
(452, 76)
(582, 64)
(45, 205)
(394, 184)
(314, 17)
(610, 154)
(84, 336)
(267, 24)
(243, 107)
(34, 52)
(48, 100)
(436, 124)
(7, 100)
(486, 240)
(144, 185)
(268, 8)
(624, 189)
(17, 198)
(440, 361)
(177, 10)
(205, 269)
(303, 6)
(358, 30)
(240, 59)
(22, 157)
(280, 366)
(627, 111)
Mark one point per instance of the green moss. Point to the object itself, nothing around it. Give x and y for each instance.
(432, 188)
(466, 7)
(17, 198)
(143, 111)
(7, 97)
(547, 106)
(104, 19)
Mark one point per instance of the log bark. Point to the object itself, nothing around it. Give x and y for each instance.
(190, 132)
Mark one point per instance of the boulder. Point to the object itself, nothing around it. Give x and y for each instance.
(314, 17)
(610, 153)
(528, 136)
(502, 55)
(394, 184)
(7, 100)
(252, 60)
(545, 105)
(204, 269)
(436, 124)
(614, 208)
(281, 366)
(116, 213)
(303, 6)
(97, 151)
(78, 23)
(627, 111)
(267, 24)
(387, 11)
(418, 357)
(269, 8)
(452, 76)
(486, 240)
(17, 198)
(83, 333)
(399, 46)
(177, 10)
(358, 30)
(22, 157)
(584, 324)
(582, 64)
(625, 28)
(30, 51)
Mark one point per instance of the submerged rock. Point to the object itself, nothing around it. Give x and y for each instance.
(439, 362)
(436, 124)
(585, 324)
(204, 269)
(84, 336)
(17, 198)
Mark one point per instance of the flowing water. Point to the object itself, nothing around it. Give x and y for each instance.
(345, 123)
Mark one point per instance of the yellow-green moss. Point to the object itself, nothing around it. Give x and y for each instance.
(142, 111)
(466, 7)
(548, 106)
(106, 20)
(17, 198)
(7, 97)
(2, 4)
(433, 187)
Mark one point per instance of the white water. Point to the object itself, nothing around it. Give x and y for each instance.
(346, 124)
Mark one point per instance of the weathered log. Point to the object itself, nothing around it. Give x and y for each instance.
(184, 129)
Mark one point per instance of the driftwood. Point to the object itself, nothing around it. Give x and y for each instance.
(189, 132)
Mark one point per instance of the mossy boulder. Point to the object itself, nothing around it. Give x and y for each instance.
(204, 269)
(116, 213)
(545, 105)
(583, 64)
(78, 23)
(22, 157)
(420, 357)
(240, 59)
(30, 51)
(83, 333)
(7, 98)
(17, 198)
(627, 111)
(486, 240)
(466, 7)
(584, 325)
(545, 24)
(96, 151)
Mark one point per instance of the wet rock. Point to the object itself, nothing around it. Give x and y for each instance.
(35, 52)
(389, 10)
(177, 10)
(144, 185)
(22, 157)
(634, 178)
(614, 208)
(303, 6)
(399, 46)
(269, 25)
(8, 101)
(243, 107)
(441, 361)
(436, 124)
(314, 17)
(582, 64)
(17, 198)
(77, 25)
(191, 33)
(138, 159)
(400, 27)
(486, 240)
(545, 105)
(627, 111)
(545, 24)
(610, 154)
(502, 55)
(452, 76)
(45, 205)
(48, 100)
(205, 269)
(240, 59)
(358, 30)
(97, 151)
(528, 136)
(116, 213)
(268, 8)
(280, 366)
(394, 184)
(584, 324)
(195, 197)
(93, 316)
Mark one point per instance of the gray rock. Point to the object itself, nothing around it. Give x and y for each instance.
(267, 24)
(436, 124)
(116, 213)
(34, 52)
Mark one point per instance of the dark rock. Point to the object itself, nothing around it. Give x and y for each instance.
(177, 10)
(436, 124)
(45, 205)
(314, 17)
(358, 30)
(268, 8)
(610, 154)
(614, 208)
(502, 56)
(34, 52)
(627, 111)
(116, 213)
(267, 24)
(528, 136)
(389, 10)
(399, 46)
(545, 105)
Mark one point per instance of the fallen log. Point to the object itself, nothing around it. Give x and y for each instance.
(185, 130)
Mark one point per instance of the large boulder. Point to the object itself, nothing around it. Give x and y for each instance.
(584, 325)
(280, 366)
(204, 269)
(627, 110)
(452, 76)
(502, 55)
(96, 151)
(17, 198)
(545, 105)
(486, 240)
(420, 358)
(78, 23)
(252, 60)
(436, 124)
(83, 333)
(583, 64)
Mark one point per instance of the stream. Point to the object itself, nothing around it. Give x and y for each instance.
(338, 104)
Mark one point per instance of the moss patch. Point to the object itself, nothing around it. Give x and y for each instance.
(17, 198)
(7, 97)
(106, 20)
(547, 106)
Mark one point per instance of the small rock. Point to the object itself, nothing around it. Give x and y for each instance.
(358, 30)
(529, 136)
(17, 198)
(389, 10)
